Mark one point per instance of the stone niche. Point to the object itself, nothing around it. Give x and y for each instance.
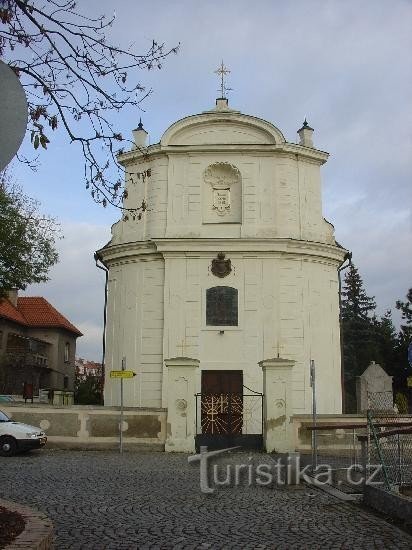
(222, 194)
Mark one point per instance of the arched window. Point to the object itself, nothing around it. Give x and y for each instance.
(222, 306)
(66, 352)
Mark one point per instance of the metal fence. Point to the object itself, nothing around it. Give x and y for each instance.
(378, 450)
(339, 448)
(390, 447)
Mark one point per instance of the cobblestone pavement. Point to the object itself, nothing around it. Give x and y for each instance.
(100, 500)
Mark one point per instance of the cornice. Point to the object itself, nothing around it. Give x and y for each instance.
(290, 149)
(130, 250)
(168, 248)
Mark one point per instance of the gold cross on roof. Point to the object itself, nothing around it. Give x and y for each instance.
(222, 71)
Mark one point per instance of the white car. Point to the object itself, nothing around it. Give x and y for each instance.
(17, 437)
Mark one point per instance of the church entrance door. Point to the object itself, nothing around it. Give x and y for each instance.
(222, 408)
(222, 402)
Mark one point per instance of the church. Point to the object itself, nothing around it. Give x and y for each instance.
(226, 289)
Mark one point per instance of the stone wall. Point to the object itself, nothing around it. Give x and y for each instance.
(330, 439)
(89, 427)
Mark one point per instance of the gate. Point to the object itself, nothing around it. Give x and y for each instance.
(229, 420)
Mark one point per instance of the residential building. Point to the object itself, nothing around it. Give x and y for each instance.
(37, 346)
(85, 368)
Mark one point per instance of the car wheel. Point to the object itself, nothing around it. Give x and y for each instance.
(8, 446)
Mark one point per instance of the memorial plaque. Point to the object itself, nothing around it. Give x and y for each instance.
(221, 200)
(222, 306)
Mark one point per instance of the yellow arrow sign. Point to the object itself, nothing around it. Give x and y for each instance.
(122, 374)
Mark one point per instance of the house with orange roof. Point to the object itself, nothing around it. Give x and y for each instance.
(86, 368)
(37, 347)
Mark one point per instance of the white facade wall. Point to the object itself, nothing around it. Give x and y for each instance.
(283, 253)
(281, 198)
(286, 306)
(135, 331)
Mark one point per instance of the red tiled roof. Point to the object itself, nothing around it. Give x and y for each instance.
(38, 312)
(35, 312)
(87, 364)
(8, 310)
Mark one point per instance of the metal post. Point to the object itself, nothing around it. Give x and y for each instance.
(196, 421)
(121, 409)
(365, 461)
(354, 454)
(378, 448)
(314, 431)
(399, 462)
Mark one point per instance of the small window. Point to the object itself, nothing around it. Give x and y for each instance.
(66, 352)
(65, 382)
(33, 346)
(222, 306)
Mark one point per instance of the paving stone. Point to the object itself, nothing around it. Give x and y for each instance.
(104, 501)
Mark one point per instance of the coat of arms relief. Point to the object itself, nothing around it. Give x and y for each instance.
(221, 267)
(221, 176)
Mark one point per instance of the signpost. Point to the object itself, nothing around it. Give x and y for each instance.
(409, 379)
(121, 374)
(314, 417)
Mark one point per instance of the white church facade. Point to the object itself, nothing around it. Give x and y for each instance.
(227, 288)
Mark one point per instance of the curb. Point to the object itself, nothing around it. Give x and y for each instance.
(38, 532)
(334, 491)
(389, 503)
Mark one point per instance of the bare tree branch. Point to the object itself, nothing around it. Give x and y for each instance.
(74, 79)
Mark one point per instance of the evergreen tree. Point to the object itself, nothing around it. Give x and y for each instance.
(355, 302)
(404, 339)
(386, 343)
(358, 332)
(406, 309)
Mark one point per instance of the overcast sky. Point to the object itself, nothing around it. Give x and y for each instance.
(345, 65)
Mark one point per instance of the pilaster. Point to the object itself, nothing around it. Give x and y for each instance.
(277, 391)
(181, 406)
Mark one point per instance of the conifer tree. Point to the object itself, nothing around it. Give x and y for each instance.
(405, 337)
(406, 309)
(358, 332)
(386, 338)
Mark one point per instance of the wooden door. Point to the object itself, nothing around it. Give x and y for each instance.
(222, 402)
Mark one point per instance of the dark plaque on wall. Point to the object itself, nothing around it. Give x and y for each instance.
(222, 306)
(220, 266)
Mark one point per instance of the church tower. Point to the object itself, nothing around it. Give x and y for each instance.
(228, 284)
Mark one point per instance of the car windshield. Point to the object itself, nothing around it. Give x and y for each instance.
(4, 417)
